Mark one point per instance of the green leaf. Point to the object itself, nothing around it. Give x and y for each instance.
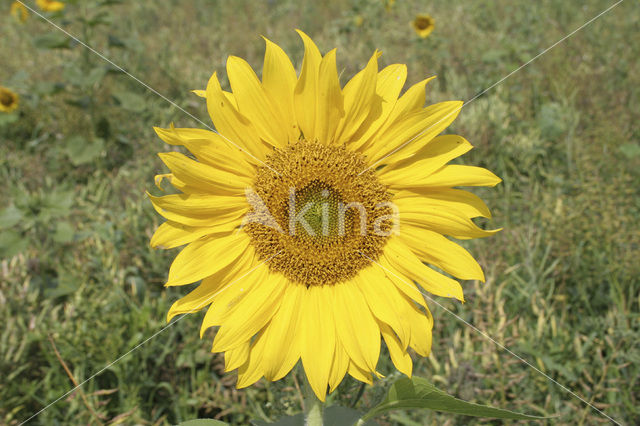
(11, 243)
(334, 416)
(64, 232)
(630, 150)
(81, 151)
(65, 285)
(115, 41)
(10, 216)
(130, 101)
(53, 40)
(419, 393)
(6, 119)
(100, 18)
(46, 88)
(295, 420)
(95, 76)
(82, 102)
(203, 422)
(343, 416)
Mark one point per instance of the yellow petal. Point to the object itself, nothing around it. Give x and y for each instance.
(410, 102)
(194, 261)
(283, 346)
(456, 200)
(419, 212)
(389, 84)
(210, 148)
(234, 358)
(200, 209)
(253, 101)
(398, 353)
(319, 337)
(330, 103)
(359, 95)
(235, 128)
(252, 370)
(405, 261)
(383, 299)
(439, 251)
(213, 288)
(438, 152)
(413, 131)
(421, 336)
(203, 176)
(239, 282)
(457, 175)
(338, 367)
(359, 373)
(358, 331)
(173, 234)
(252, 312)
(279, 81)
(305, 93)
(408, 288)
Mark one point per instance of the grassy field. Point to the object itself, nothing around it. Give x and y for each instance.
(80, 287)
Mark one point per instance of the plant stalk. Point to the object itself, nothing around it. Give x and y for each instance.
(313, 407)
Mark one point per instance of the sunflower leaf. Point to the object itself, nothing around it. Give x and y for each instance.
(202, 422)
(419, 393)
(52, 41)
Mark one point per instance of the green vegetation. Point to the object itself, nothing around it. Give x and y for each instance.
(80, 287)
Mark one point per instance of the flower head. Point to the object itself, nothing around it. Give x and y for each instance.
(423, 25)
(312, 213)
(50, 5)
(19, 11)
(8, 100)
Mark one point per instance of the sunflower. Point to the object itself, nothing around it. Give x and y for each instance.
(8, 100)
(19, 11)
(311, 214)
(50, 5)
(423, 25)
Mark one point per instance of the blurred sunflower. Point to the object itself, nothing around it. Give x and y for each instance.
(50, 5)
(316, 261)
(8, 100)
(19, 11)
(423, 25)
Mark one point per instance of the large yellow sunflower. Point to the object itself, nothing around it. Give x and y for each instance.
(311, 214)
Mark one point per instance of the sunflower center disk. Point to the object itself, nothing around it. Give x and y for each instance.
(321, 217)
(5, 98)
(318, 214)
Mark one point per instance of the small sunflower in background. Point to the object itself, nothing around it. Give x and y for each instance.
(423, 25)
(8, 99)
(312, 215)
(19, 11)
(50, 5)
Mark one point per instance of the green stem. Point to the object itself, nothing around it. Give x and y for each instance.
(313, 407)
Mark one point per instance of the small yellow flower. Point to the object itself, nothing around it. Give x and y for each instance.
(50, 5)
(358, 20)
(389, 5)
(19, 11)
(8, 100)
(423, 25)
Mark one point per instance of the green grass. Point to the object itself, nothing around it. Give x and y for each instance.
(562, 284)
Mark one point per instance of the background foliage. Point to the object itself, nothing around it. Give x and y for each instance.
(79, 286)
